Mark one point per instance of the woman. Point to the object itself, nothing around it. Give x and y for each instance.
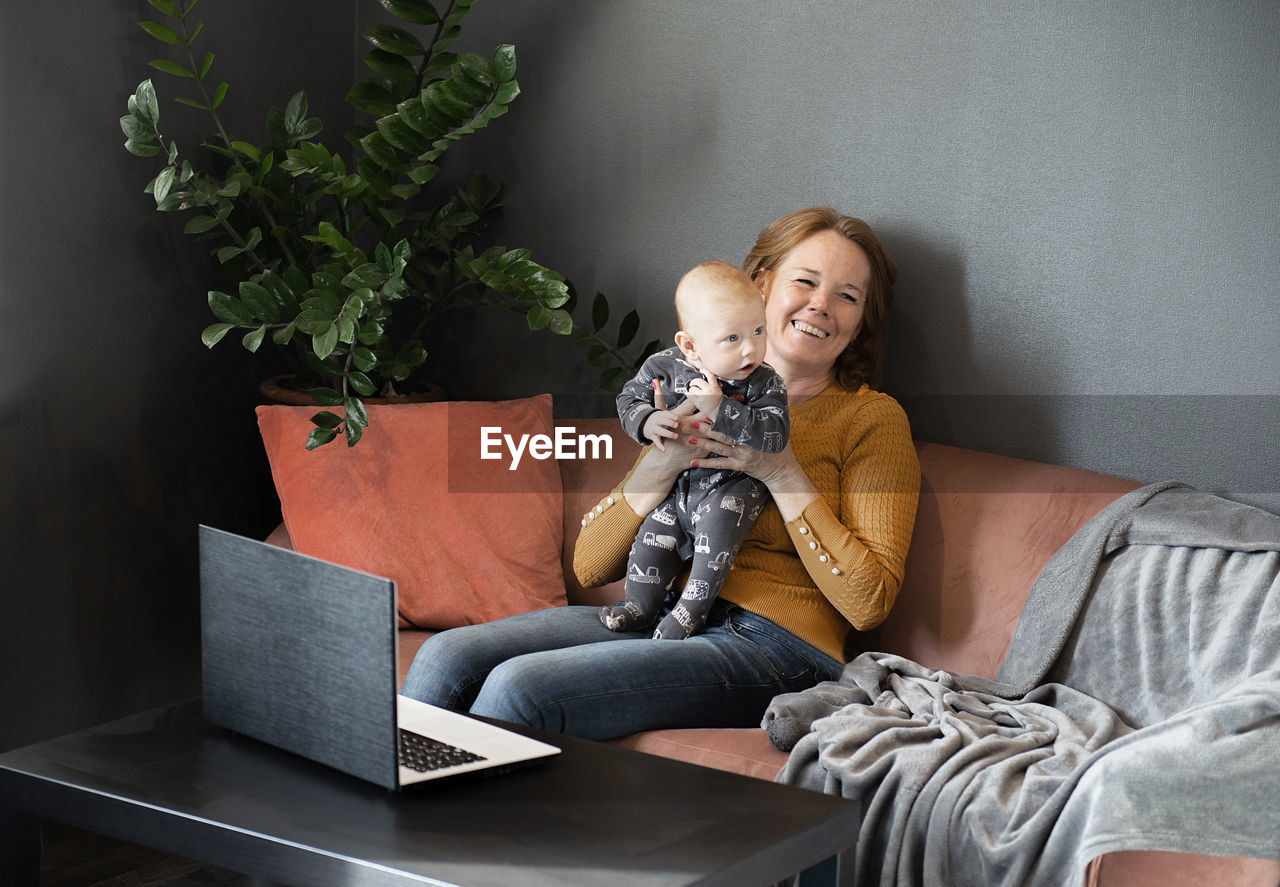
(826, 555)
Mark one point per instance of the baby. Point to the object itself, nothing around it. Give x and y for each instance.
(720, 351)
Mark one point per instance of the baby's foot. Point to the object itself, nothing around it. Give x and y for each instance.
(674, 628)
(627, 616)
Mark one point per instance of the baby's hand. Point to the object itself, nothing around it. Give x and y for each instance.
(661, 424)
(706, 395)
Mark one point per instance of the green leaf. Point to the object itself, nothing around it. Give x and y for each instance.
(504, 62)
(561, 322)
(599, 312)
(382, 153)
(165, 6)
(295, 112)
(169, 67)
(371, 99)
(248, 149)
(259, 300)
(206, 64)
(369, 333)
(275, 129)
(319, 437)
(201, 224)
(361, 383)
(392, 66)
(416, 12)
(356, 415)
(163, 33)
(652, 348)
(324, 344)
(137, 128)
(219, 94)
(213, 334)
(191, 103)
(325, 419)
(415, 114)
(354, 433)
(401, 135)
(613, 379)
(507, 93)
(395, 40)
(145, 101)
(326, 397)
(253, 339)
(229, 309)
(627, 329)
(439, 65)
(446, 99)
(314, 321)
(539, 317)
(363, 359)
(142, 148)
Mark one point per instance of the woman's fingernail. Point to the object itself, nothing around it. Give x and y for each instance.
(696, 425)
(693, 440)
(693, 464)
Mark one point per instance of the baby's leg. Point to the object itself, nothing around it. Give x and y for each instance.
(717, 536)
(656, 558)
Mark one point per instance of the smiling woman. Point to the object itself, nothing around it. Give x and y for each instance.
(824, 556)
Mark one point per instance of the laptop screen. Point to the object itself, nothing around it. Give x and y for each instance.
(299, 653)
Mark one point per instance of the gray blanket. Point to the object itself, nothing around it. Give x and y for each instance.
(1137, 708)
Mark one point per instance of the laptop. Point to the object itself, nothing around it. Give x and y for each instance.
(301, 653)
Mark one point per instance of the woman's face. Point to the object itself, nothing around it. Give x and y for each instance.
(814, 302)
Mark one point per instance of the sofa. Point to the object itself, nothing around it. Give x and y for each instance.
(985, 526)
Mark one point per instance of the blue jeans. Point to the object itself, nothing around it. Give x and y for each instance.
(561, 670)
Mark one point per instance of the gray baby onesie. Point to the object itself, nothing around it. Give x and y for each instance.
(709, 511)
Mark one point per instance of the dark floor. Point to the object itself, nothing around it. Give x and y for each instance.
(73, 858)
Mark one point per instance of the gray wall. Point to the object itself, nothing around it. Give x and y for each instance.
(121, 431)
(1082, 199)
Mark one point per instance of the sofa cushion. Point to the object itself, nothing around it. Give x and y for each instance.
(985, 526)
(466, 539)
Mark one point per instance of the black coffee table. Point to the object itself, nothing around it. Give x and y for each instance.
(595, 814)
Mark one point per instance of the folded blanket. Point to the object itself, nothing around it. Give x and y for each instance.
(1138, 707)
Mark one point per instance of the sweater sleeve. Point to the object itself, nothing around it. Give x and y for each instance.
(604, 543)
(856, 556)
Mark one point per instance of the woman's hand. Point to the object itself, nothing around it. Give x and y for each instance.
(788, 484)
(652, 479)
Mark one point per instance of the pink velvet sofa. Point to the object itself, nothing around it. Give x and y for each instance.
(985, 526)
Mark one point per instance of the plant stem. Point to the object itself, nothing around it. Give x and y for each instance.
(240, 242)
(426, 58)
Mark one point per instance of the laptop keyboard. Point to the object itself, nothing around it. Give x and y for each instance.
(421, 753)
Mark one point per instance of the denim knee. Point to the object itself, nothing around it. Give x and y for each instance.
(441, 674)
(508, 694)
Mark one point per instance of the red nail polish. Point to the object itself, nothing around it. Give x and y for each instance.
(693, 440)
(696, 425)
(693, 464)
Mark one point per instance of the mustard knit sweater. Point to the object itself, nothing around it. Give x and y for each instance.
(838, 564)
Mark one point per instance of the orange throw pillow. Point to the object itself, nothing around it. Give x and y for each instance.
(466, 539)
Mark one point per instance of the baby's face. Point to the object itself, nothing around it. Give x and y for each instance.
(729, 339)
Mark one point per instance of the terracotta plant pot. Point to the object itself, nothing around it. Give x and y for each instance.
(284, 389)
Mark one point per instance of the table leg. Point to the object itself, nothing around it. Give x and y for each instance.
(19, 849)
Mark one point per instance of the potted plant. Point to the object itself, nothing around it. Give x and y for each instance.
(345, 259)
